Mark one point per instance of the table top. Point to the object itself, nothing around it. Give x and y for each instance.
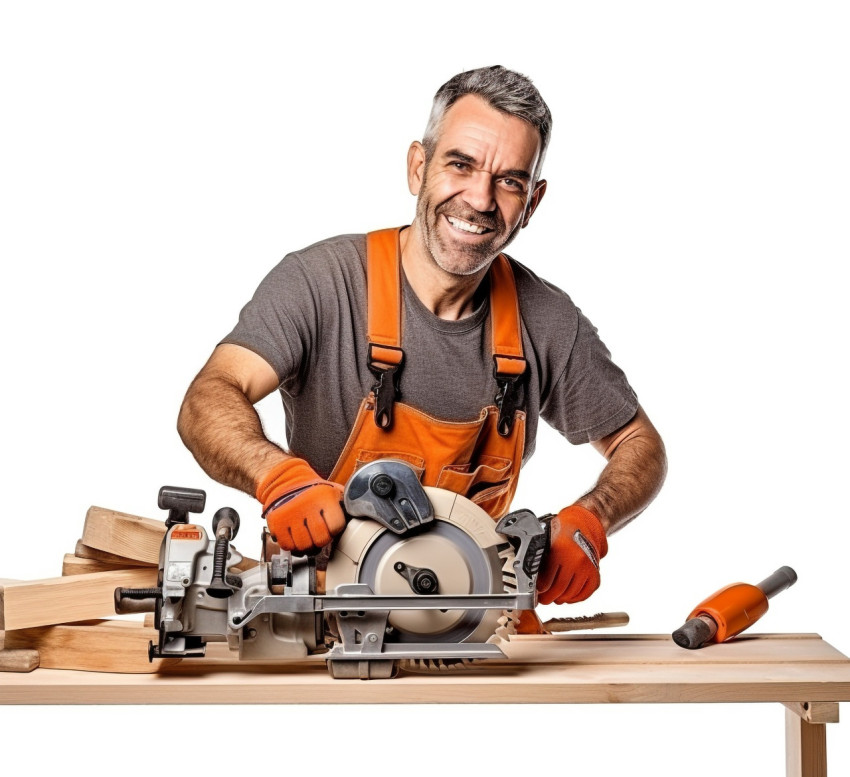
(564, 668)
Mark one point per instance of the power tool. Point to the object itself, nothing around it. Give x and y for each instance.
(420, 576)
(731, 610)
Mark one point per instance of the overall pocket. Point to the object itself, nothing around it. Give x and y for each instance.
(470, 480)
(367, 457)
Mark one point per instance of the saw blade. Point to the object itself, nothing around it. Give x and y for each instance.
(460, 548)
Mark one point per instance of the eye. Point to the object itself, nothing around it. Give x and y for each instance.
(513, 183)
(463, 166)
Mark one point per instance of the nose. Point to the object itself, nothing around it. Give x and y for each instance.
(479, 193)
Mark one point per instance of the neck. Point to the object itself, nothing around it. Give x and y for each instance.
(451, 297)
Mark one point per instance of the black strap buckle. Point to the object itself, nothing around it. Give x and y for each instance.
(386, 389)
(386, 392)
(508, 397)
(506, 401)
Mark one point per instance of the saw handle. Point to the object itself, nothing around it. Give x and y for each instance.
(180, 502)
(135, 600)
(225, 527)
(530, 537)
(782, 578)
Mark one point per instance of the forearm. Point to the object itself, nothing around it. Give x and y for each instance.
(221, 428)
(633, 476)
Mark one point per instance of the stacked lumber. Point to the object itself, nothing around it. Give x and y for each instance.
(64, 622)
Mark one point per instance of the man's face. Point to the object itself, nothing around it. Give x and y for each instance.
(474, 193)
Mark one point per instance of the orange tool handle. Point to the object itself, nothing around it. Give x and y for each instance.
(733, 608)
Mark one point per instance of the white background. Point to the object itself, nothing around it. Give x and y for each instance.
(158, 158)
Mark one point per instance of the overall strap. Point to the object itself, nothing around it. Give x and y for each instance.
(509, 363)
(383, 305)
(386, 357)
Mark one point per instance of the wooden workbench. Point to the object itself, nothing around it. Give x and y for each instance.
(801, 671)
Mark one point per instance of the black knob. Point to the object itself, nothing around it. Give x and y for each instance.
(180, 502)
(424, 582)
(228, 519)
(382, 485)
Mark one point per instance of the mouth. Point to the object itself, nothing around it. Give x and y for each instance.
(467, 227)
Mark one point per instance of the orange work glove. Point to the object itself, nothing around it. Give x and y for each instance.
(570, 571)
(302, 510)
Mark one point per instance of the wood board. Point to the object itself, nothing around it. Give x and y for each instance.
(598, 669)
(75, 565)
(18, 660)
(120, 534)
(28, 603)
(94, 646)
(83, 551)
(130, 540)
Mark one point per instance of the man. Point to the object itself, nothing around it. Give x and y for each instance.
(427, 344)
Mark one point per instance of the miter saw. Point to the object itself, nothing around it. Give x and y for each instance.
(421, 577)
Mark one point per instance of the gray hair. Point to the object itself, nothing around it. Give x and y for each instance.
(503, 89)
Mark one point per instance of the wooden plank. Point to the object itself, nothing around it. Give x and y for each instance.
(805, 747)
(53, 600)
(130, 538)
(96, 646)
(194, 682)
(589, 650)
(84, 551)
(74, 565)
(614, 680)
(602, 620)
(815, 712)
(121, 534)
(18, 660)
(246, 563)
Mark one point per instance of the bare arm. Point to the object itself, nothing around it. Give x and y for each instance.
(633, 476)
(218, 423)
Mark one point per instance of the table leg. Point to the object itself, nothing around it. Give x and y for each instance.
(805, 737)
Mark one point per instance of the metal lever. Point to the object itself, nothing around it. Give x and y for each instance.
(422, 580)
(389, 491)
(225, 527)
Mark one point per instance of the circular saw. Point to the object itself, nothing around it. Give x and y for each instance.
(456, 552)
(420, 577)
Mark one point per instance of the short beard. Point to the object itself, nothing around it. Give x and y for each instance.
(476, 257)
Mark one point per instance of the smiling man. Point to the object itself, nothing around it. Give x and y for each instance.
(427, 343)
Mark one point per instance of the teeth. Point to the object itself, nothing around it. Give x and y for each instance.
(466, 226)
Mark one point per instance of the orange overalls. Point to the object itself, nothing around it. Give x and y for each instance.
(478, 459)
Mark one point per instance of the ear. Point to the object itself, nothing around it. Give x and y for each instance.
(415, 167)
(536, 196)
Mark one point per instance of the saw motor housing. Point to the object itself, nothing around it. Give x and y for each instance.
(418, 573)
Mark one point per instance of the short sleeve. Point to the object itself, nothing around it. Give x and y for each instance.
(276, 323)
(592, 398)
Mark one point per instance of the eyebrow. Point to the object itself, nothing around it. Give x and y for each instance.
(453, 153)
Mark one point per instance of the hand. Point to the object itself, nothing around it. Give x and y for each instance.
(570, 571)
(302, 510)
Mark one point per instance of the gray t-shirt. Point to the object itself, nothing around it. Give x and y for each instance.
(307, 319)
